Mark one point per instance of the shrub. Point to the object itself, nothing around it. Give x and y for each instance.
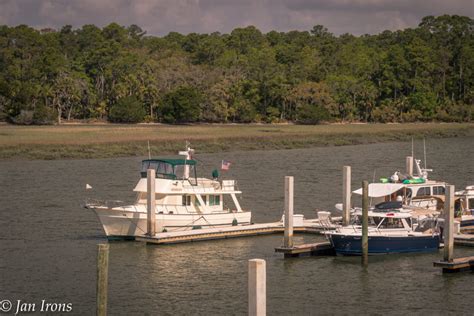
(24, 118)
(181, 105)
(273, 115)
(127, 110)
(385, 113)
(312, 114)
(44, 115)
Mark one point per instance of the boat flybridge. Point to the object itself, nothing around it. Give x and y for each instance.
(183, 201)
(417, 190)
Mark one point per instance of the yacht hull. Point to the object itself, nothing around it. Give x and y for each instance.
(120, 224)
(352, 244)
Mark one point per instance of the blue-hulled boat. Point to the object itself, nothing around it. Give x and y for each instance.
(390, 231)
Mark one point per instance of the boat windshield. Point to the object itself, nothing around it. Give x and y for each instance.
(170, 168)
(388, 222)
(382, 222)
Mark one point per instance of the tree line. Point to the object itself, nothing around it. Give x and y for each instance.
(123, 75)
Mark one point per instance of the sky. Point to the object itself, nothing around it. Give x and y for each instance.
(159, 17)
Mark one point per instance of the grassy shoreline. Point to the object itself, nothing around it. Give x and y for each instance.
(106, 141)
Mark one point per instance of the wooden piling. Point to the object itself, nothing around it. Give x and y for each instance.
(151, 202)
(288, 239)
(257, 288)
(102, 278)
(409, 165)
(346, 195)
(365, 223)
(449, 224)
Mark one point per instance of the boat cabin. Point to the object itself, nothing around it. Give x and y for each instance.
(428, 195)
(172, 169)
(464, 201)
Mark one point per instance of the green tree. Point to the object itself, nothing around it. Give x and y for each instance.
(181, 105)
(127, 110)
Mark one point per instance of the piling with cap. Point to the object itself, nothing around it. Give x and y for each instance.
(257, 288)
(449, 223)
(102, 278)
(346, 195)
(409, 166)
(151, 202)
(365, 223)
(288, 238)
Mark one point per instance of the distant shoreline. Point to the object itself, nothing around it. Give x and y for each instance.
(87, 141)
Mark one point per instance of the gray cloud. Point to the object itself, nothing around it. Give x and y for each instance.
(159, 17)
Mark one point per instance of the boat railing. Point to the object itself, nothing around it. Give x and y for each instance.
(207, 185)
(106, 203)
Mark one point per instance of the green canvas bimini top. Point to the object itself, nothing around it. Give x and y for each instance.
(174, 162)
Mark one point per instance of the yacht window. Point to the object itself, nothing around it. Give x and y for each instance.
(471, 204)
(423, 191)
(438, 190)
(186, 200)
(164, 168)
(214, 200)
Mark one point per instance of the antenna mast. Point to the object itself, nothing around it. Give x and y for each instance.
(149, 152)
(424, 151)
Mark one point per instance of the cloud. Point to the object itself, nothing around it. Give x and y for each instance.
(160, 17)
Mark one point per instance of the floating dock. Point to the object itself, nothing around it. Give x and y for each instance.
(323, 248)
(456, 265)
(311, 226)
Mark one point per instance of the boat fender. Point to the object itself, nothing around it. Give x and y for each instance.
(235, 222)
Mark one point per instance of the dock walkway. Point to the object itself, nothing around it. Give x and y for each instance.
(312, 226)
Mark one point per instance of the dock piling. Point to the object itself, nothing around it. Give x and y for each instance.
(151, 202)
(288, 238)
(346, 195)
(409, 165)
(102, 278)
(257, 288)
(449, 223)
(365, 223)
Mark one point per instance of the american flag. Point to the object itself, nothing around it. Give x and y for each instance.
(225, 165)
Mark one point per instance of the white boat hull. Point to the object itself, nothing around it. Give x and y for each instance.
(119, 223)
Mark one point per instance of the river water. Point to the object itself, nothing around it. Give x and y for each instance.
(48, 242)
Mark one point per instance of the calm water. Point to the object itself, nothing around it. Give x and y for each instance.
(48, 242)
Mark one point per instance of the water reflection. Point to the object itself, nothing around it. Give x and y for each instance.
(49, 242)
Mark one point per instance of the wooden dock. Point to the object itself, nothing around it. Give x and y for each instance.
(315, 249)
(310, 226)
(456, 265)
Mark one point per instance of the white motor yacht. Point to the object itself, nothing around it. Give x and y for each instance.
(183, 201)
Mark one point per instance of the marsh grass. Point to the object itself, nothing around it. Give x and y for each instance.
(104, 141)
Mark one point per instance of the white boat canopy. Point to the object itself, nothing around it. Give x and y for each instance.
(381, 189)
